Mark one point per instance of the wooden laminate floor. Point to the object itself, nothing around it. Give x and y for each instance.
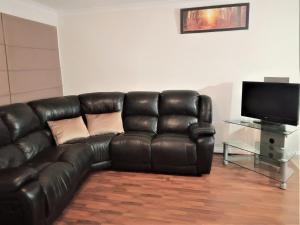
(229, 195)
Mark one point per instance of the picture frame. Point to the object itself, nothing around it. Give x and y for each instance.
(215, 18)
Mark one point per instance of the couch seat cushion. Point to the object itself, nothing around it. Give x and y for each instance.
(132, 151)
(57, 181)
(38, 166)
(78, 155)
(100, 146)
(50, 154)
(173, 150)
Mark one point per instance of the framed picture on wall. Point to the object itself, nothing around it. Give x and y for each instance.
(215, 18)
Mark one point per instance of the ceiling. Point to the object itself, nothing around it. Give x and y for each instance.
(65, 5)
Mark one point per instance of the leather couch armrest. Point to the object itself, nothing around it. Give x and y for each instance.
(205, 150)
(201, 129)
(14, 178)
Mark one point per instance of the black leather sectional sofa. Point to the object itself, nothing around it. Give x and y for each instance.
(168, 132)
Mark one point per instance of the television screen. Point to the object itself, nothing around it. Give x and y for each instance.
(272, 102)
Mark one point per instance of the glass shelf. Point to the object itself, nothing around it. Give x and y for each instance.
(274, 128)
(259, 166)
(275, 154)
(270, 155)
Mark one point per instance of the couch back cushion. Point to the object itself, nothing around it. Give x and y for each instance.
(11, 156)
(101, 102)
(177, 111)
(56, 108)
(19, 119)
(141, 111)
(4, 134)
(34, 143)
(20, 125)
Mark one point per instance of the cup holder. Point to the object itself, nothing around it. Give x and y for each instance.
(271, 140)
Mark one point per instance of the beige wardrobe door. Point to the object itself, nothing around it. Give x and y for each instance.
(4, 85)
(32, 58)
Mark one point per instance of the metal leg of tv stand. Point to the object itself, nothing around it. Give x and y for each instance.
(256, 160)
(225, 154)
(283, 175)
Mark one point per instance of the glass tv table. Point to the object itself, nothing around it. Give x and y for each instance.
(269, 156)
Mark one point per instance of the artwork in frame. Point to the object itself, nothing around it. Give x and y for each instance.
(215, 18)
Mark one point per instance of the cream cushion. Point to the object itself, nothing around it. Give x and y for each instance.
(104, 123)
(68, 129)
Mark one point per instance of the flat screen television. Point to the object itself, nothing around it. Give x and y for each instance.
(271, 102)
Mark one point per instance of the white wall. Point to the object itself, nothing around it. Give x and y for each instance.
(141, 48)
(28, 9)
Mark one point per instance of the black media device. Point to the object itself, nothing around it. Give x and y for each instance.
(271, 102)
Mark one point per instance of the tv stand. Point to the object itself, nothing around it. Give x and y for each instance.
(268, 156)
(267, 123)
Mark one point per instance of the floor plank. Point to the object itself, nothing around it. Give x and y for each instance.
(229, 195)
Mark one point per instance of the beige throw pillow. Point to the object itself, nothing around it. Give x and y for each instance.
(104, 123)
(68, 129)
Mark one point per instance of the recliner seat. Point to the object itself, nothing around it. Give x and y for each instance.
(174, 153)
(132, 150)
(167, 132)
(172, 150)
